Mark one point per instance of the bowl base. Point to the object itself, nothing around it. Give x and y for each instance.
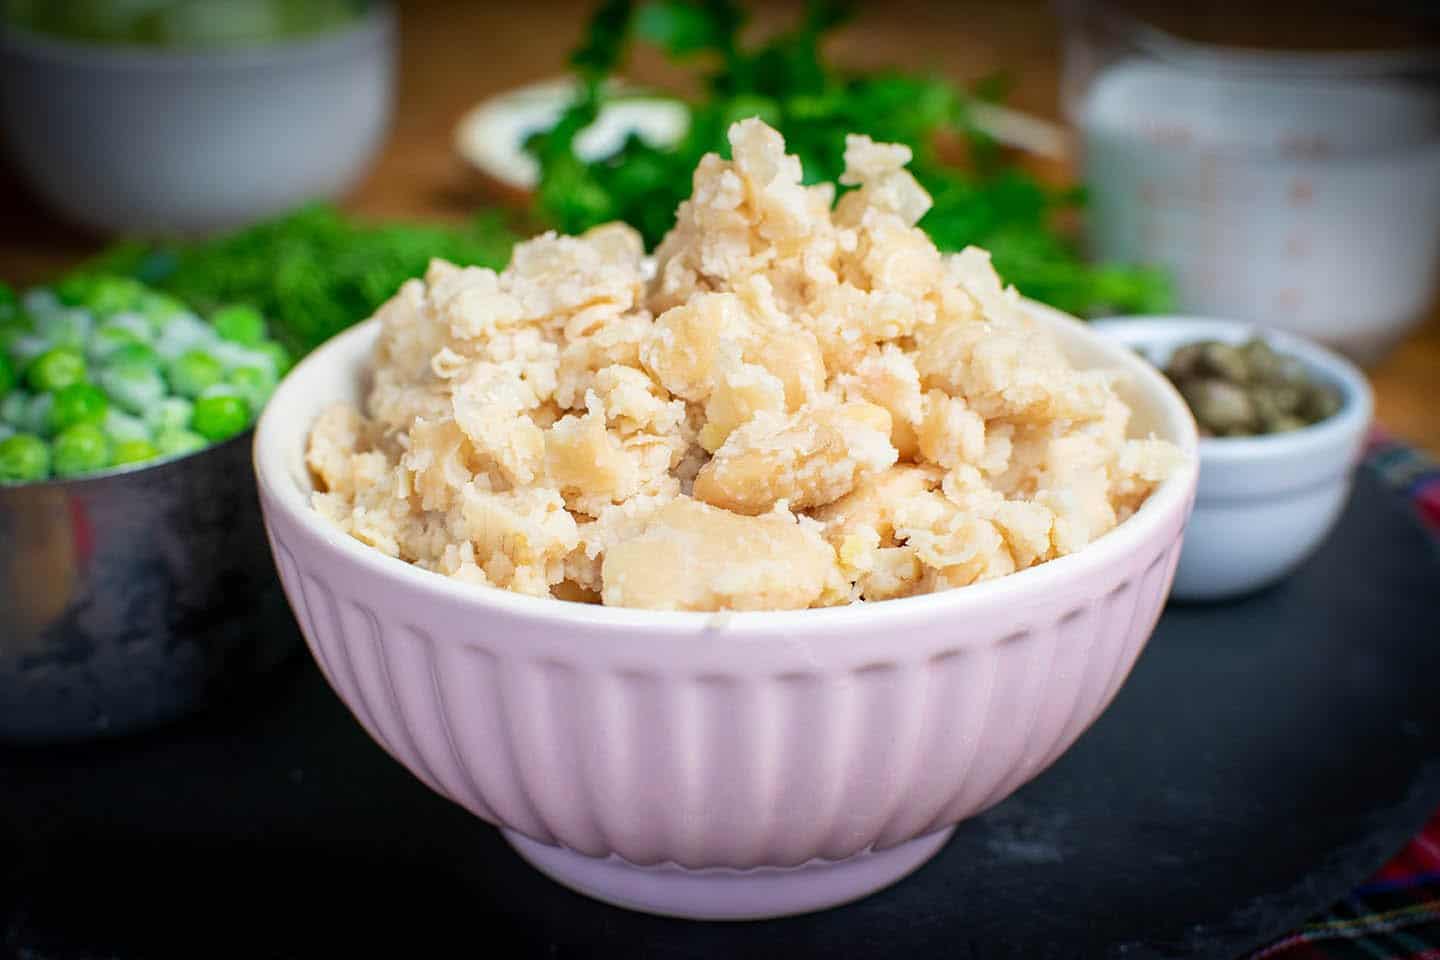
(721, 893)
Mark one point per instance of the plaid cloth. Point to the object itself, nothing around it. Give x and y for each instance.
(1396, 915)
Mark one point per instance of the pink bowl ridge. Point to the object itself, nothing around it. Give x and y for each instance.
(722, 765)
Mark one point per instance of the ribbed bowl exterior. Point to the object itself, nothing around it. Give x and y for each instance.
(690, 746)
(721, 740)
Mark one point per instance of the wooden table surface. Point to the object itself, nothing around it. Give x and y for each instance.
(456, 52)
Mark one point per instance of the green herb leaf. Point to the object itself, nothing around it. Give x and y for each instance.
(787, 82)
(684, 28)
(313, 272)
(604, 45)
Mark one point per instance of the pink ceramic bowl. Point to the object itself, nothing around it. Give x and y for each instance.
(721, 765)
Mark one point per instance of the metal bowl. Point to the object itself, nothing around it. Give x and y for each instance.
(134, 597)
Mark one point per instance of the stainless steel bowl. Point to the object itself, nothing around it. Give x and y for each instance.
(133, 598)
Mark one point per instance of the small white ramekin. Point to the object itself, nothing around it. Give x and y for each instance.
(725, 765)
(1264, 504)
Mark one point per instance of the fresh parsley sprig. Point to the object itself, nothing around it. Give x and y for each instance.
(786, 81)
(313, 272)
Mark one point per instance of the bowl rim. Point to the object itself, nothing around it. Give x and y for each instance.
(377, 21)
(124, 471)
(1357, 403)
(1169, 503)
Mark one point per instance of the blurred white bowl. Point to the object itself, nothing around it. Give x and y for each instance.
(167, 141)
(1300, 189)
(1264, 504)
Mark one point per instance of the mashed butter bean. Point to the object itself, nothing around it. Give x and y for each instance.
(800, 403)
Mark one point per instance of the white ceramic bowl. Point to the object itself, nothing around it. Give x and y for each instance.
(1265, 503)
(162, 141)
(721, 765)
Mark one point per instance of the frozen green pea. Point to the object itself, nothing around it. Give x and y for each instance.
(111, 295)
(221, 389)
(280, 358)
(122, 427)
(191, 372)
(7, 375)
(80, 449)
(37, 414)
(219, 415)
(184, 333)
(133, 451)
(135, 355)
(106, 340)
(24, 458)
(232, 355)
(77, 403)
(66, 328)
(28, 412)
(40, 300)
(239, 324)
(14, 408)
(175, 443)
(134, 323)
(171, 413)
(24, 350)
(255, 384)
(133, 387)
(159, 309)
(56, 369)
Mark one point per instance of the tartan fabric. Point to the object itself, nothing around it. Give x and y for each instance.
(1396, 914)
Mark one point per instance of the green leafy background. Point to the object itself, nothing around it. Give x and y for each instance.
(315, 272)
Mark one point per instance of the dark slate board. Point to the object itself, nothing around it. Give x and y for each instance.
(1264, 757)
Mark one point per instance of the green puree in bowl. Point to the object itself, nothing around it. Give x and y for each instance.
(181, 23)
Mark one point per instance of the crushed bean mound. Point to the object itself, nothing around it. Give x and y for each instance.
(798, 403)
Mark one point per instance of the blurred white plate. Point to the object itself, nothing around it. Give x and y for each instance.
(492, 134)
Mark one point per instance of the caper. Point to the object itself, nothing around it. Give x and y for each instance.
(1293, 371)
(1278, 400)
(1267, 409)
(1273, 417)
(1285, 423)
(1248, 389)
(1264, 363)
(1319, 402)
(1224, 360)
(1288, 396)
(1184, 362)
(1219, 405)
